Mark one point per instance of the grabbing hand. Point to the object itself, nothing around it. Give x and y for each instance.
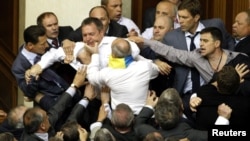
(68, 48)
(164, 67)
(90, 49)
(242, 71)
(194, 102)
(132, 32)
(34, 71)
(224, 111)
(152, 99)
(79, 79)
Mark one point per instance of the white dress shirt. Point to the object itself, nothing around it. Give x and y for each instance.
(129, 85)
(56, 55)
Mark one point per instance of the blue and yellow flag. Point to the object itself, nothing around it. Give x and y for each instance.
(120, 63)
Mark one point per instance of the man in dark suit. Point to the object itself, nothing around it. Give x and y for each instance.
(36, 45)
(241, 32)
(222, 90)
(39, 125)
(55, 35)
(111, 28)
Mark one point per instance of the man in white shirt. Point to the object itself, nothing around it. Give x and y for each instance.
(114, 8)
(93, 33)
(128, 79)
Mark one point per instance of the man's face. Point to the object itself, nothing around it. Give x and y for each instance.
(50, 23)
(91, 34)
(161, 27)
(188, 23)
(241, 26)
(114, 8)
(165, 9)
(101, 14)
(208, 45)
(41, 46)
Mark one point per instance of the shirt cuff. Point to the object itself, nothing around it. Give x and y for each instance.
(94, 125)
(84, 102)
(71, 91)
(221, 121)
(150, 107)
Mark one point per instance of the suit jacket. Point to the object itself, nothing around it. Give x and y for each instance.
(177, 39)
(211, 98)
(161, 82)
(64, 32)
(243, 46)
(19, 66)
(182, 130)
(64, 70)
(54, 114)
(115, 29)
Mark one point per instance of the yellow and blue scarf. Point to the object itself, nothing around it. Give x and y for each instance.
(120, 63)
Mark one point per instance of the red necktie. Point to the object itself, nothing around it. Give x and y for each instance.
(55, 43)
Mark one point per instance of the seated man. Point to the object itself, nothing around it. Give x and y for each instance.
(128, 79)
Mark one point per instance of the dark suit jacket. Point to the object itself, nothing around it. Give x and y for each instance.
(161, 82)
(177, 39)
(64, 32)
(148, 18)
(211, 98)
(54, 114)
(19, 66)
(243, 46)
(115, 29)
(182, 130)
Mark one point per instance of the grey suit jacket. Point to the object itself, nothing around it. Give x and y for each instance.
(177, 39)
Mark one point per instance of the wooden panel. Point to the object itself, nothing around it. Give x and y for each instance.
(224, 9)
(138, 8)
(8, 51)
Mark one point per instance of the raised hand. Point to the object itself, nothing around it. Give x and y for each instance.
(91, 49)
(242, 71)
(194, 103)
(68, 48)
(79, 79)
(152, 99)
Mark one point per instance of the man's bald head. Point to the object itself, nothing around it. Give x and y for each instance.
(120, 48)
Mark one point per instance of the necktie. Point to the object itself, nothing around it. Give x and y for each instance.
(195, 76)
(55, 43)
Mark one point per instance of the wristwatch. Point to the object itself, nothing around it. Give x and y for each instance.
(73, 86)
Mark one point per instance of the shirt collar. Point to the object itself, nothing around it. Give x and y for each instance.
(29, 55)
(198, 29)
(43, 136)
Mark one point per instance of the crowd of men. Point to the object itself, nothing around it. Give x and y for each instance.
(107, 80)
